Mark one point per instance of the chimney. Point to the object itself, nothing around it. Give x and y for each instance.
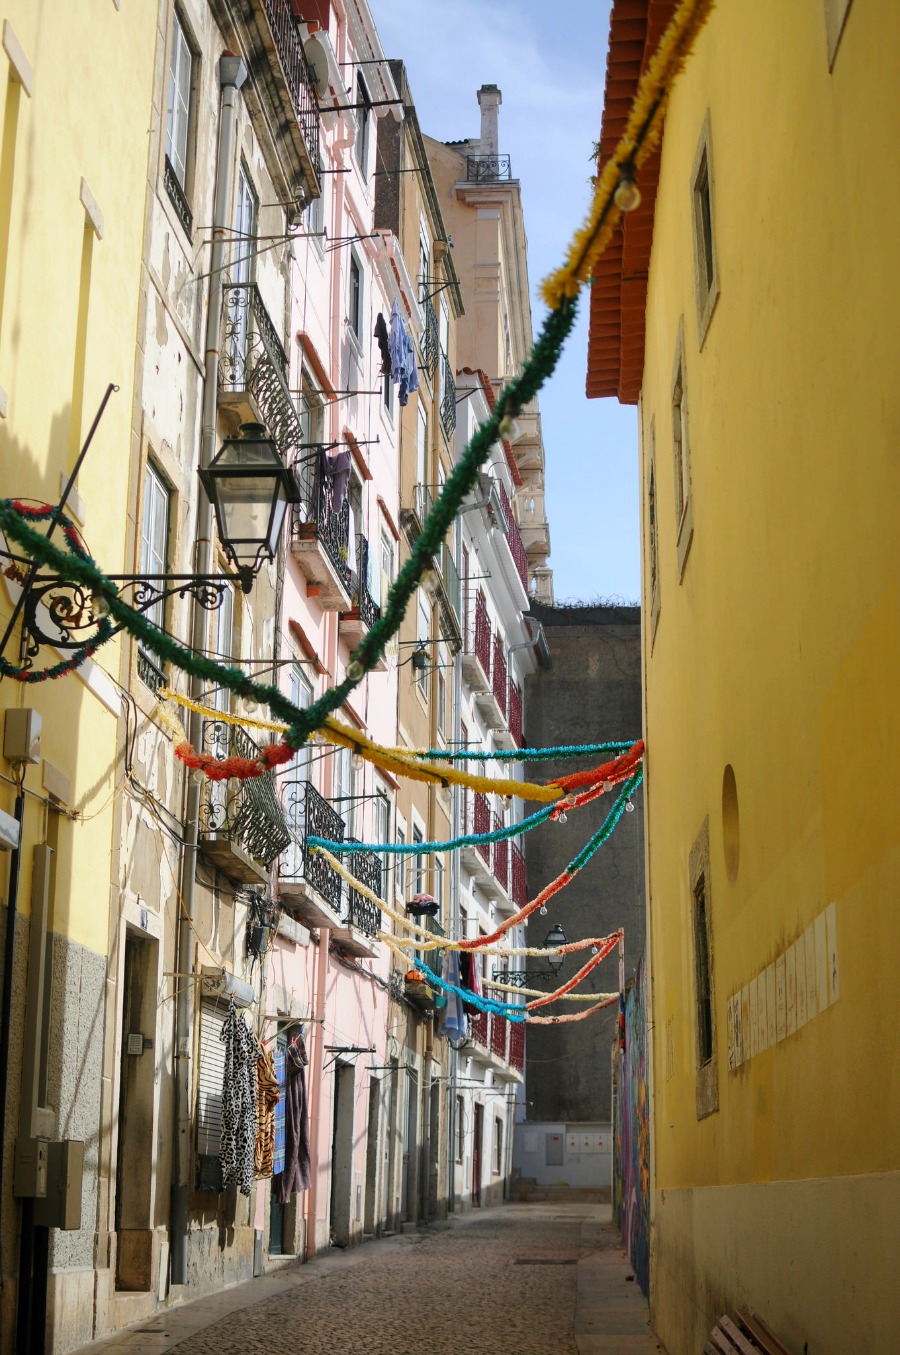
(489, 100)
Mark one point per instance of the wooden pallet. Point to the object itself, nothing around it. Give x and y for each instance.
(747, 1335)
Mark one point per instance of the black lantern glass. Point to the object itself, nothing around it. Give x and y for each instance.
(556, 937)
(250, 489)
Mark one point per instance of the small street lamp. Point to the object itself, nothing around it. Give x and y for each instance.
(519, 977)
(249, 488)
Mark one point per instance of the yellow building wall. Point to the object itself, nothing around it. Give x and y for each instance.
(778, 653)
(68, 325)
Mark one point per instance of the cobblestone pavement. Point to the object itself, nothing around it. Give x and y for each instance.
(498, 1282)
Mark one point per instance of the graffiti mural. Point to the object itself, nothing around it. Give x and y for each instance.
(631, 1167)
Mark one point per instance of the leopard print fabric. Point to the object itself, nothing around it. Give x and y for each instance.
(239, 1102)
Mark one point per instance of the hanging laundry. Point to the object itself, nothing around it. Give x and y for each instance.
(296, 1174)
(268, 1094)
(339, 479)
(404, 372)
(453, 1021)
(381, 334)
(238, 1151)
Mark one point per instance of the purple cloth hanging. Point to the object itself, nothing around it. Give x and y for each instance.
(296, 1174)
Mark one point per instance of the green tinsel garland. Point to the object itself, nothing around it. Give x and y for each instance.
(302, 723)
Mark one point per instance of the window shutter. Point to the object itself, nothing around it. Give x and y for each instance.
(210, 1079)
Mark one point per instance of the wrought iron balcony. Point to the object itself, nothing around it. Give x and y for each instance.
(248, 337)
(501, 858)
(519, 889)
(365, 610)
(482, 824)
(448, 398)
(515, 712)
(241, 823)
(476, 660)
(307, 883)
(487, 168)
(431, 344)
(320, 533)
(517, 1045)
(514, 537)
(478, 1025)
(499, 1032)
(295, 70)
(498, 676)
(426, 997)
(149, 671)
(175, 190)
(362, 913)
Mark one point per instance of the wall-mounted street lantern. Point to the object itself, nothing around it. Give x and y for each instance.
(519, 977)
(249, 488)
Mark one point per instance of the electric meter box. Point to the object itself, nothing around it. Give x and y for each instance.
(22, 736)
(61, 1206)
(30, 1168)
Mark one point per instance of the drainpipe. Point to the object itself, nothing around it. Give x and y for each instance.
(455, 828)
(232, 74)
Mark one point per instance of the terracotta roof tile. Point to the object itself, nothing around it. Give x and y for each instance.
(619, 291)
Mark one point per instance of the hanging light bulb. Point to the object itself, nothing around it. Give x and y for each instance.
(627, 194)
(356, 759)
(99, 605)
(197, 775)
(509, 428)
(629, 806)
(354, 670)
(562, 817)
(595, 950)
(251, 706)
(543, 910)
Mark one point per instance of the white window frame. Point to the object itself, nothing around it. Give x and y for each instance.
(681, 456)
(355, 312)
(421, 445)
(363, 126)
(423, 637)
(180, 100)
(703, 219)
(156, 522)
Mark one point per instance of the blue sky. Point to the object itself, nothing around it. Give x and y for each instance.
(550, 62)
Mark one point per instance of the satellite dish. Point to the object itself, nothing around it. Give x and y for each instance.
(317, 59)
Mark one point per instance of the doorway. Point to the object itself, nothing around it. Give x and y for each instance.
(137, 1090)
(342, 1154)
(478, 1129)
(369, 1220)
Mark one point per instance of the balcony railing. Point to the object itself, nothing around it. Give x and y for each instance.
(514, 537)
(317, 516)
(149, 671)
(248, 336)
(308, 814)
(501, 857)
(448, 397)
(481, 822)
(364, 605)
(177, 198)
(487, 168)
(479, 1027)
(499, 1028)
(450, 580)
(519, 882)
(431, 344)
(362, 913)
(481, 637)
(517, 1045)
(515, 712)
(297, 75)
(246, 812)
(498, 675)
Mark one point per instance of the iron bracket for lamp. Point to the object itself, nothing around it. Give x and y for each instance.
(66, 615)
(517, 978)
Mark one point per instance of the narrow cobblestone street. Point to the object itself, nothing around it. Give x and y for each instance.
(522, 1280)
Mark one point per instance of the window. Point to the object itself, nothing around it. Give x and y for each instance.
(400, 861)
(704, 987)
(314, 216)
(422, 447)
(387, 393)
(423, 636)
(302, 695)
(684, 511)
(354, 297)
(424, 262)
(387, 567)
(241, 271)
(178, 117)
(155, 535)
(441, 702)
(419, 861)
(706, 276)
(498, 1146)
(210, 1080)
(382, 822)
(363, 122)
(460, 1128)
(652, 530)
(438, 890)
